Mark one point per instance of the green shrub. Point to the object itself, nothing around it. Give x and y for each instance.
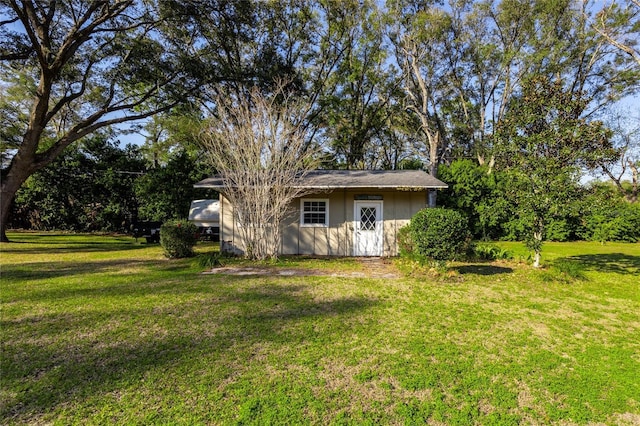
(211, 260)
(514, 229)
(439, 234)
(615, 222)
(563, 271)
(488, 251)
(405, 245)
(177, 238)
(559, 230)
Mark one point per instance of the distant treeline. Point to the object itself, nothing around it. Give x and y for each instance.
(596, 212)
(100, 186)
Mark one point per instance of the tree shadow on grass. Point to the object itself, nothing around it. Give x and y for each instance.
(617, 263)
(69, 247)
(71, 356)
(483, 269)
(35, 271)
(118, 278)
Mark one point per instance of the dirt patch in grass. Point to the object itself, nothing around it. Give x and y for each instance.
(626, 419)
(370, 268)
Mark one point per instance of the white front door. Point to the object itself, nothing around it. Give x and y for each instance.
(368, 236)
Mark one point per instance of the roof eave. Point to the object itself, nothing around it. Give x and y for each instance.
(334, 187)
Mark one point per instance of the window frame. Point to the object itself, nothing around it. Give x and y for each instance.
(326, 213)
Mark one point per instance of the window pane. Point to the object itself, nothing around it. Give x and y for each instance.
(367, 218)
(314, 218)
(314, 212)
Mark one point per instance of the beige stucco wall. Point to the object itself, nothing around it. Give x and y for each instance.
(337, 238)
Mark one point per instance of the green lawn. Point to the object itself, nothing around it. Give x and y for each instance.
(100, 330)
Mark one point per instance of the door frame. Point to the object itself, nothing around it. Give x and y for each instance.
(379, 229)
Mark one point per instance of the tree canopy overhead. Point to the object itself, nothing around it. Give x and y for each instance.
(73, 67)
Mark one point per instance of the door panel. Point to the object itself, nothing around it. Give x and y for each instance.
(368, 235)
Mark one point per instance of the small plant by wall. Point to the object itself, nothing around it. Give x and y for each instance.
(177, 238)
(488, 251)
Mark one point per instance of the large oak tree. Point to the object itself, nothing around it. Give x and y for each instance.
(79, 66)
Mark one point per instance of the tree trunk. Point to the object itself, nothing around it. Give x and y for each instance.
(10, 185)
(536, 259)
(492, 163)
(5, 207)
(537, 250)
(434, 143)
(633, 197)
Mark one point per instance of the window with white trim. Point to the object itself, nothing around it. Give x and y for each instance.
(314, 212)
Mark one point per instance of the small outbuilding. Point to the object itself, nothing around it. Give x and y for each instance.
(348, 212)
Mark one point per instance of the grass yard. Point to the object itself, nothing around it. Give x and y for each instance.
(99, 330)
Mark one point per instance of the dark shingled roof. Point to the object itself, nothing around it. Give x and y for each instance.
(346, 179)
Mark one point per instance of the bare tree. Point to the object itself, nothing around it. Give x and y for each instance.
(419, 54)
(626, 139)
(258, 145)
(619, 26)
